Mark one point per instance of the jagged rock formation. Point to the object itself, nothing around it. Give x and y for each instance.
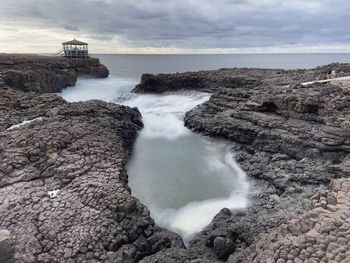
(211, 81)
(46, 74)
(63, 181)
(292, 140)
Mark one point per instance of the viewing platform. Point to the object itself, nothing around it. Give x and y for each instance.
(74, 49)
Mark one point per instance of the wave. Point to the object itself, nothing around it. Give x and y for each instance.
(99, 89)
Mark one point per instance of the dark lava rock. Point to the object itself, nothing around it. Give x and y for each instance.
(46, 74)
(223, 247)
(63, 179)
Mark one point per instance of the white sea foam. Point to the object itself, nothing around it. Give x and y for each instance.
(100, 89)
(163, 114)
(193, 217)
(23, 123)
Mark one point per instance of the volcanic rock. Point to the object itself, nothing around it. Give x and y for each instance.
(63, 179)
(46, 74)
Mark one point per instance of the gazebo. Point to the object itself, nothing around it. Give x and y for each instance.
(75, 49)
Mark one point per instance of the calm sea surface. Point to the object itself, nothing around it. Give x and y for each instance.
(182, 177)
(133, 66)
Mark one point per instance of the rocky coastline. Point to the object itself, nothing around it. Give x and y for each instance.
(46, 74)
(293, 141)
(63, 187)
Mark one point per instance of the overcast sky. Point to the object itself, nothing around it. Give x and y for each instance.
(176, 26)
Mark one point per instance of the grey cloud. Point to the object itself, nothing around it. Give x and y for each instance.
(70, 27)
(193, 23)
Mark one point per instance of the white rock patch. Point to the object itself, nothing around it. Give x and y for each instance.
(23, 123)
(53, 193)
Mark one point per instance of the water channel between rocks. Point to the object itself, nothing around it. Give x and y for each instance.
(183, 178)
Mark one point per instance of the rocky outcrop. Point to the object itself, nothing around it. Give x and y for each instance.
(292, 141)
(211, 81)
(46, 74)
(63, 180)
(201, 81)
(297, 121)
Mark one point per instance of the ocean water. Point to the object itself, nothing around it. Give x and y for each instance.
(133, 66)
(185, 179)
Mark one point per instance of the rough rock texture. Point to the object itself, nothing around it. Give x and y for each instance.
(63, 182)
(46, 74)
(292, 141)
(320, 235)
(210, 81)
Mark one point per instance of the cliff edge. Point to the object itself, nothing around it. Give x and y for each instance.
(46, 74)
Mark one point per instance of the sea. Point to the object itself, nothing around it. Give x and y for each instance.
(184, 178)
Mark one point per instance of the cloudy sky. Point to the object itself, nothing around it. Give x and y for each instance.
(176, 26)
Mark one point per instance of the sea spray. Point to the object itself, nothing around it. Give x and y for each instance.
(162, 114)
(100, 89)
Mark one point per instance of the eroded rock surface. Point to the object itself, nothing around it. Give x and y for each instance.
(63, 181)
(294, 142)
(320, 235)
(210, 81)
(46, 74)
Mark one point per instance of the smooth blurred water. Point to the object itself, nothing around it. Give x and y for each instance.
(183, 178)
(101, 89)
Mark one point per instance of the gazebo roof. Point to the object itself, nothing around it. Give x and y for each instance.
(74, 42)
